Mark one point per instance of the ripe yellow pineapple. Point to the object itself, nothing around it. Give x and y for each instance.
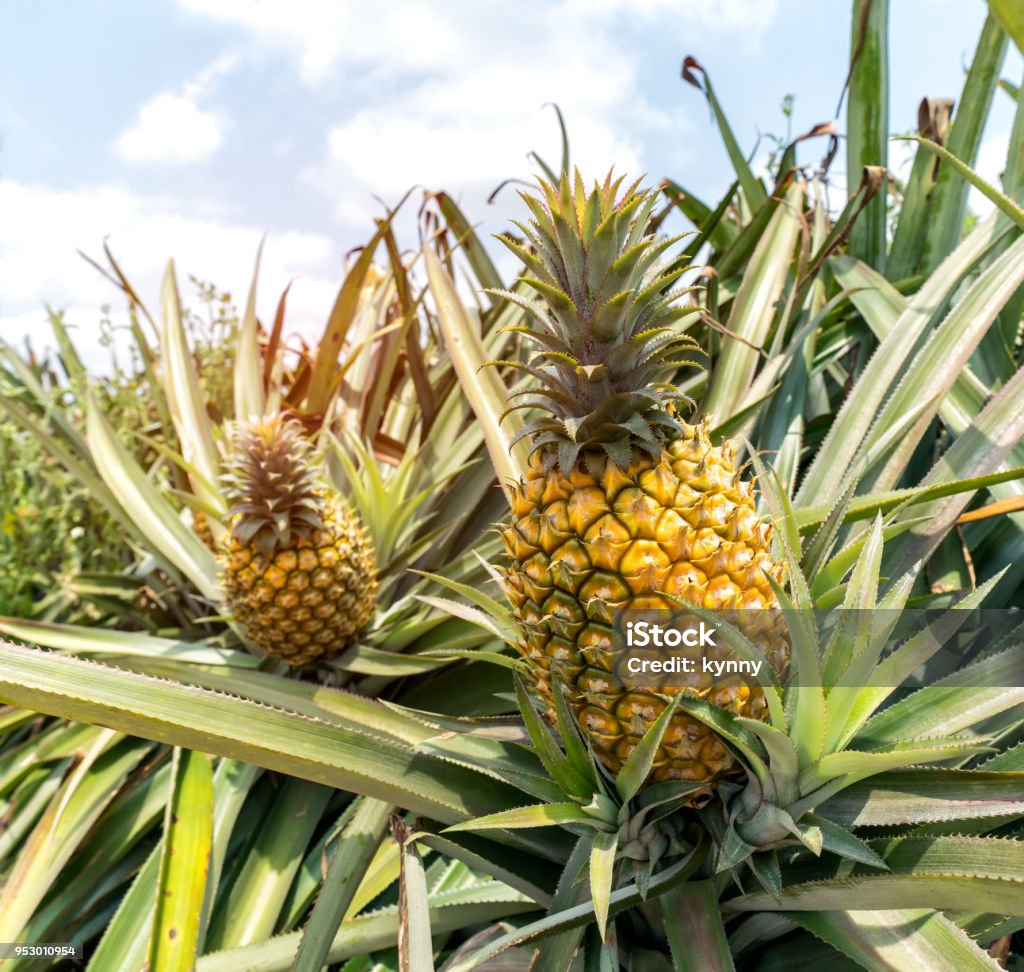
(623, 502)
(298, 569)
(203, 530)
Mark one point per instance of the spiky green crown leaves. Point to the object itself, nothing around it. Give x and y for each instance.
(273, 488)
(604, 324)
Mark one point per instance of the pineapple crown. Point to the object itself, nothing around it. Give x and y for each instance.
(604, 324)
(272, 486)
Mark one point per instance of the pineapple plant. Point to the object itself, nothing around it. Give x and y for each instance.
(298, 568)
(624, 506)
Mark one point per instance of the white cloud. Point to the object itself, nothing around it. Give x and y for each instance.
(43, 228)
(450, 132)
(325, 34)
(453, 94)
(747, 16)
(171, 127)
(411, 34)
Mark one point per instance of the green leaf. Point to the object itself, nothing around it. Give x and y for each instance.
(487, 275)
(974, 891)
(953, 704)
(188, 409)
(1001, 201)
(108, 857)
(880, 305)
(69, 356)
(527, 874)
(322, 381)
(1009, 760)
(364, 660)
(486, 603)
(949, 197)
(575, 748)
(838, 840)
(86, 791)
(824, 479)
(754, 309)
(783, 516)
(83, 640)
(498, 625)
(249, 913)
(901, 940)
(912, 224)
(733, 850)
(415, 949)
(693, 925)
(602, 876)
(61, 442)
(857, 764)
(867, 121)
(746, 650)
(232, 782)
(731, 731)
(970, 873)
(863, 507)
(29, 801)
(782, 755)
(481, 385)
(1013, 174)
(355, 744)
(942, 359)
(57, 742)
(538, 815)
(901, 663)
(559, 950)
(579, 915)
(851, 635)
(250, 396)
(383, 872)
(147, 508)
(806, 707)
(1010, 15)
(638, 765)
(765, 867)
(184, 866)
(125, 942)
(920, 796)
(449, 912)
(713, 227)
(563, 772)
(753, 191)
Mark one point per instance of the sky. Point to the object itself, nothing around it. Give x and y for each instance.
(187, 129)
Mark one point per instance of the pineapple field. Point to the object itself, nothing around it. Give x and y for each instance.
(323, 652)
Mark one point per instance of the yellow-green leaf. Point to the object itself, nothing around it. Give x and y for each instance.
(188, 832)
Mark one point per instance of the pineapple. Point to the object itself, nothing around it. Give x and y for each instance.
(298, 569)
(203, 530)
(623, 502)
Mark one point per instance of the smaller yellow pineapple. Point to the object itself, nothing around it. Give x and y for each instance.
(203, 530)
(298, 569)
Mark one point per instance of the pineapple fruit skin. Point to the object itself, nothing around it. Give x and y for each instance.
(201, 525)
(583, 547)
(304, 600)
